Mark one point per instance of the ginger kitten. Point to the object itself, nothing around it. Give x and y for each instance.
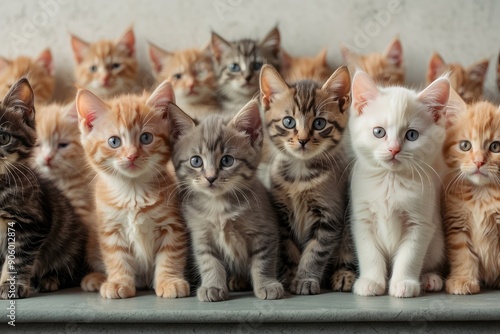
(305, 68)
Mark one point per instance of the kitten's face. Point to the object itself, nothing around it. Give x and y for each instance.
(58, 152)
(238, 64)
(105, 67)
(305, 68)
(190, 72)
(472, 144)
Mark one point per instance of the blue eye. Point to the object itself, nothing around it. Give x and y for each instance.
(4, 138)
(93, 68)
(289, 122)
(196, 161)
(146, 138)
(63, 145)
(234, 67)
(114, 142)
(412, 135)
(379, 132)
(227, 161)
(257, 65)
(465, 145)
(495, 147)
(319, 124)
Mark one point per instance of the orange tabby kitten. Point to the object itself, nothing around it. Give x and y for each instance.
(305, 68)
(107, 68)
(142, 236)
(386, 68)
(468, 82)
(39, 71)
(192, 75)
(472, 151)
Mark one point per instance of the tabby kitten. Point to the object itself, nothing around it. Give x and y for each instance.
(308, 180)
(59, 156)
(472, 202)
(191, 73)
(48, 237)
(385, 69)
(397, 136)
(39, 71)
(305, 68)
(107, 68)
(232, 223)
(468, 82)
(237, 66)
(142, 236)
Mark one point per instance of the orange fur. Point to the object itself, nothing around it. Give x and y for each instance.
(305, 68)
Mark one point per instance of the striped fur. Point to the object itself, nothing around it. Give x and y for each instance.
(228, 212)
(308, 181)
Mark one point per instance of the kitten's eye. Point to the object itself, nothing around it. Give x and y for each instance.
(465, 145)
(196, 161)
(116, 66)
(146, 138)
(177, 76)
(93, 68)
(227, 161)
(495, 147)
(202, 73)
(4, 138)
(114, 142)
(379, 132)
(62, 145)
(234, 67)
(289, 122)
(257, 65)
(412, 135)
(319, 124)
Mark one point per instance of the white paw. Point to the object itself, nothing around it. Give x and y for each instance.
(432, 282)
(405, 288)
(212, 294)
(270, 291)
(367, 287)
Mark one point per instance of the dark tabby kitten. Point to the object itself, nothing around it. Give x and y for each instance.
(237, 66)
(309, 178)
(37, 222)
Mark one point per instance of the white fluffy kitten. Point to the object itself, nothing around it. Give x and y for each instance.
(397, 135)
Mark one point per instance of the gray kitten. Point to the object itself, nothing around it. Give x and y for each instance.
(228, 211)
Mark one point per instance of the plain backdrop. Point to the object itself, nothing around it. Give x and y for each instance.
(463, 31)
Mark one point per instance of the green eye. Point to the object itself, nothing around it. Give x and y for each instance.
(465, 145)
(289, 122)
(227, 161)
(93, 68)
(196, 161)
(379, 132)
(114, 142)
(4, 138)
(495, 147)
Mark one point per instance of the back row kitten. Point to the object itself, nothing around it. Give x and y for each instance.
(305, 68)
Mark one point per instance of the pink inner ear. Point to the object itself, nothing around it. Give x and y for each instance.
(436, 97)
(364, 90)
(46, 59)
(128, 40)
(394, 53)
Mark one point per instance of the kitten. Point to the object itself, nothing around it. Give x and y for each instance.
(385, 69)
(305, 123)
(107, 68)
(305, 68)
(191, 73)
(36, 218)
(472, 152)
(228, 211)
(142, 236)
(397, 135)
(237, 66)
(468, 82)
(59, 156)
(39, 70)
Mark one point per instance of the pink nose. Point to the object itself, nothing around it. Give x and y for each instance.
(479, 164)
(394, 151)
(48, 159)
(132, 157)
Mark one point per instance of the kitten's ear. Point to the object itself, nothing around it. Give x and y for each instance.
(89, 108)
(4, 63)
(347, 53)
(272, 41)
(455, 107)
(477, 72)
(80, 48)
(21, 97)
(435, 65)
(162, 96)
(156, 56)
(127, 40)
(45, 58)
(248, 120)
(271, 84)
(394, 52)
(219, 46)
(286, 59)
(364, 90)
(71, 112)
(435, 97)
(321, 58)
(339, 86)
(180, 122)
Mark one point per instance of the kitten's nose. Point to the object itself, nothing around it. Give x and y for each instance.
(394, 151)
(303, 142)
(132, 157)
(211, 179)
(479, 164)
(248, 78)
(48, 159)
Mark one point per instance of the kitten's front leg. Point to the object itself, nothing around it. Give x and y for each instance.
(263, 270)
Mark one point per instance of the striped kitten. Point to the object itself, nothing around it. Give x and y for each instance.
(232, 223)
(309, 184)
(35, 217)
(192, 75)
(385, 69)
(107, 68)
(237, 66)
(142, 236)
(305, 68)
(468, 82)
(39, 71)
(472, 202)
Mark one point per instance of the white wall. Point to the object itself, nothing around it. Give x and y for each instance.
(461, 30)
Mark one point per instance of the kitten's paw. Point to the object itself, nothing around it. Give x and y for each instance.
(238, 284)
(305, 286)
(173, 288)
(457, 285)
(270, 291)
(368, 287)
(212, 294)
(405, 288)
(112, 290)
(14, 291)
(432, 282)
(343, 280)
(49, 283)
(92, 282)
